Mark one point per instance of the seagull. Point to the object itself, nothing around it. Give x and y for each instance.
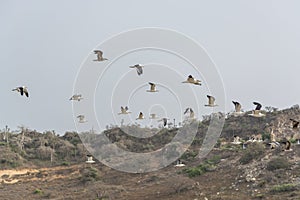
(237, 107)
(236, 140)
(164, 120)
(89, 159)
(211, 101)
(139, 68)
(81, 119)
(124, 110)
(295, 123)
(257, 111)
(141, 116)
(192, 80)
(192, 114)
(153, 116)
(99, 55)
(76, 97)
(22, 90)
(179, 163)
(152, 87)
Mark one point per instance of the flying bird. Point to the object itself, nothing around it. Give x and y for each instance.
(124, 110)
(89, 159)
(22, 90)
(139, 68)
(257, 112)
(152, 87)
(99, 56)
(76, 97)
(81, 119)
(192, 80)
(190, 110)
(295, 123)
(211, 101)
(141, 116)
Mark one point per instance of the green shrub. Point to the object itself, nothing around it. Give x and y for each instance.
(208, 165)
(278, 163)
(254, 151)
(284, 188)
(37, 191)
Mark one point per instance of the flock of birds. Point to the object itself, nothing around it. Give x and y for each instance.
(23, 90)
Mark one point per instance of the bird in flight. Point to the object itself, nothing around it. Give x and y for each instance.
(139, 68)
(76, 97)
(295, 123)
(124, 110)
(211, 101)
(81, 119)
(99, 56)
(257, 112)
(237, 108)
(141, 116)
(22, 90)
(152, 87)
(190, 110)
(192, 80)
(89, 159)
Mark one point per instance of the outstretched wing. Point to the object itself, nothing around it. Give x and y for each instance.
(211, 100)
(186, 110)
(258, 105)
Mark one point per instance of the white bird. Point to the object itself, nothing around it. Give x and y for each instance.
(152, 87)
(99, 56)
(237, 108)
(179, 163)
(76, 97)
(22, 90)
(257, 111)
(190, 110)
(81, 119)
(164, 120)
(139, 68)
(236, 140)
(141, 116)
(211, 101)
(124, 110)
(153, 116)
(192, 80)
(89, 159)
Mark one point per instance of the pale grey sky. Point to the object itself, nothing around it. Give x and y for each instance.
(254, 44)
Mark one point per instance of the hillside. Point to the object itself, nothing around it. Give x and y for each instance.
(48, 166)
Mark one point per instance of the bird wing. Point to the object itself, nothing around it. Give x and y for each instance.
(141, 115)
(122, 109)
(126, 108)
(237, 106)
(211, 100)
(26, 92)
(139, 70)
(165, 121)
(186, 110)
(152, 86)
(258, 105)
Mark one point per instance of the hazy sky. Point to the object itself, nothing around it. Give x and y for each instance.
(255, 46)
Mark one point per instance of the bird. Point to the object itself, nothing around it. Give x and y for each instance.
(76, 97)
(124, 110)
(164, 120)
(287, 146)
(89, 159)
(81, 119)
(141, 116)
(237, 107)
(236, 140)
(192, 80)
(190, 110)
(22, 90)
(295, 123)
(152, 87)
(179, 163)
(257, 112)
(139, 68)
(211, 101)
(153, 116)
(99, 55)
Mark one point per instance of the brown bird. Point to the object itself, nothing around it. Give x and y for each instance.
(139, 68)
(99, 56)
(152, 87)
